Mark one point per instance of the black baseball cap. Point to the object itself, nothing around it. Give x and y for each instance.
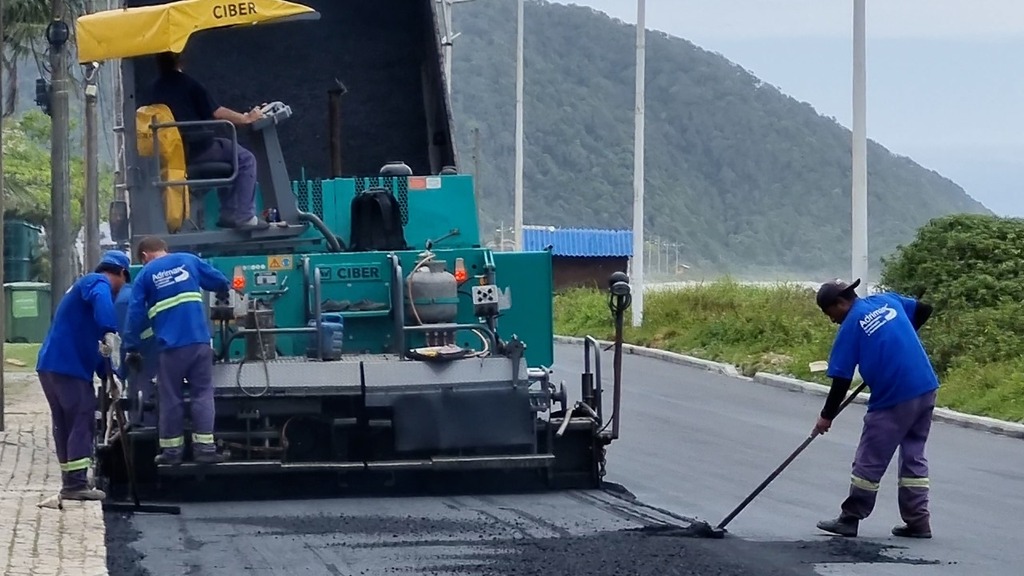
(829, 292)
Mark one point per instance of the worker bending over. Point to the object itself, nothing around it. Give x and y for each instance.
(878, 334)
(144, 379)
(168, 293)
(84, 329)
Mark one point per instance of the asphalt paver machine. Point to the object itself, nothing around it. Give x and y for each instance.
(376, 335)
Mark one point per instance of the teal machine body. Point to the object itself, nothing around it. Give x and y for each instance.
(371, 332)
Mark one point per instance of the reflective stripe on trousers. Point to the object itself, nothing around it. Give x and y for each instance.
(176, 442)
(80, 464)
(864, 484)
(914, 483)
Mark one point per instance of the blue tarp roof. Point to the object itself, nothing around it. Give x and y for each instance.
(579, 242)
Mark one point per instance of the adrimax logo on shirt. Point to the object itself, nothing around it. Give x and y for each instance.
(166, 278)
(872, 321)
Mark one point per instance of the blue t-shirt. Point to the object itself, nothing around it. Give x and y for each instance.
(878, 335)
(188, 102)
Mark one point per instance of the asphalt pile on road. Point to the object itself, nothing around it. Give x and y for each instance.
(490, 548)
(642, 553)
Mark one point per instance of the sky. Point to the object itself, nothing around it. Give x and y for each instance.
(944, 81)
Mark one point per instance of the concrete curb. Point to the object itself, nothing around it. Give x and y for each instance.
(982, 423)
(672, 357)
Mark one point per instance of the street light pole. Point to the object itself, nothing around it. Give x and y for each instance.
(518, 201)
(638, 171)
(3, 193)
(859, 229)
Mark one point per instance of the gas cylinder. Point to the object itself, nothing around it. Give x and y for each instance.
(435, 292)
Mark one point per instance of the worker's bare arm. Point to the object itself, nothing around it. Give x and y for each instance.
(237, 118)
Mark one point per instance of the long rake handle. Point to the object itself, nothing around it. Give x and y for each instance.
(120, 416)
(788, 461)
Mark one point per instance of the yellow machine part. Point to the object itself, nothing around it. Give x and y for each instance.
(172, 160)
(147, 30)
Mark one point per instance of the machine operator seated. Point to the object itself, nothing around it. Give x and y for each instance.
(189, 101)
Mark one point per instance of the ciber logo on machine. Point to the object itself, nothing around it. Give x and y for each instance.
(872, 321)
(165, 278)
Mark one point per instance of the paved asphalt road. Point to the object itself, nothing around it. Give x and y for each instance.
(697, 443)
(693, 443)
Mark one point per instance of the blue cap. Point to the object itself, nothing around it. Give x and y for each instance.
(117, 259)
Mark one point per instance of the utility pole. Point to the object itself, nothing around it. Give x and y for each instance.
(92, 163)
(120, 190)
(859, 229)
(3, 209)
(518, 201)
(638, 170)
(449, 39)
(57, 34)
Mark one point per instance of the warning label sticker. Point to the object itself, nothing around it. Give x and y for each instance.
(280, 262)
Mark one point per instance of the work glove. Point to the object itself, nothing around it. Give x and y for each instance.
(133, 361)
(110, 347)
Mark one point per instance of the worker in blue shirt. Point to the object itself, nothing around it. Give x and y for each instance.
(84, 329)
(168, 291)
(143, 380)
(878, 334)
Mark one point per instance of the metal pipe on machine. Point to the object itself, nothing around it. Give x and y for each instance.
(334, 126)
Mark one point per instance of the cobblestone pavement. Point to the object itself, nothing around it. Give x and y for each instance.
(40, 541)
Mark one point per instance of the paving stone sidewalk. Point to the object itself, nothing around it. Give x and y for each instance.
(38, 541)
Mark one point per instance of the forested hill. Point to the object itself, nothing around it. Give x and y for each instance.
(741, 174)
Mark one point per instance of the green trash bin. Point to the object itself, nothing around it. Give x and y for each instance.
(28, 311)
(21, 248)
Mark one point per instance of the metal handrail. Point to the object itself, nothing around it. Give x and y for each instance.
(205, 182)
(589, 343)
(318, 293)
(398, 305)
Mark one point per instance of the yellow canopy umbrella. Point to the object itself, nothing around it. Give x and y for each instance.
(146, 30)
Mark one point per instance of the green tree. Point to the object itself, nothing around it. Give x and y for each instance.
(27, 172)
(970, 267)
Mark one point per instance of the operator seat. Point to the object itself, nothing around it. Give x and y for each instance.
(173, 149)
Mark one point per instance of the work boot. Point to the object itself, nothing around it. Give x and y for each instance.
(206, 454)
(253, 223)
(83, 494)
(335, 305)
(75, 486)
(842, 526)
(905, 531)
(170, 456)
